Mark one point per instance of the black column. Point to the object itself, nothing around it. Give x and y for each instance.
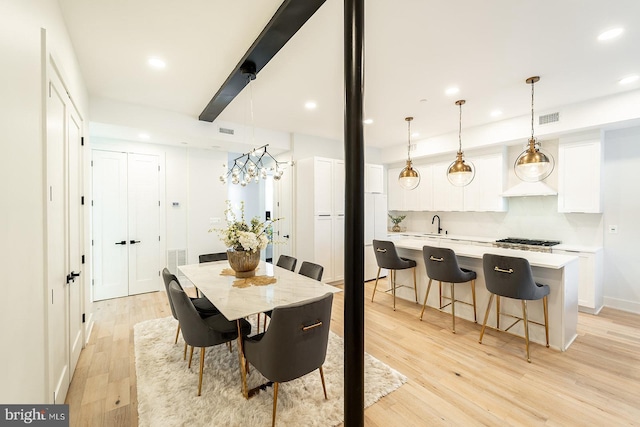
(354, 214)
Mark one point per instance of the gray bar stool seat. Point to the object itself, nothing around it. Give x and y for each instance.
(442, 265)
(511, 277)
(387, 257)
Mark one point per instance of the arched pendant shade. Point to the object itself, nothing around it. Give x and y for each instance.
(460, 173)
(534, 163)
(409, 177)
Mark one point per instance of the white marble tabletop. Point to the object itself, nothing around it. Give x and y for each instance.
(237, 302)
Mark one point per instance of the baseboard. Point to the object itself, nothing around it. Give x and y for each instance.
(88, 329)
(621, 304)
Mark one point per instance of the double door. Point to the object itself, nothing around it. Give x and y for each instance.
(126, 224)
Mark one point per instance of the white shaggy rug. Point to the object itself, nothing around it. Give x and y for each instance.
(167, 389)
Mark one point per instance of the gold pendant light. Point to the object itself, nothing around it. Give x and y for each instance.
(409, 177)
(460, 173)
(533, 164)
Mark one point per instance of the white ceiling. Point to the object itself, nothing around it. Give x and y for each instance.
(415, 49)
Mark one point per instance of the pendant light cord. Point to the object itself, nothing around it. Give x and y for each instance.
(532, 83)
(460, 130)
(409, 137)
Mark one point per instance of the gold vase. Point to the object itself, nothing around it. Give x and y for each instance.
(396, 228)
(244, 263)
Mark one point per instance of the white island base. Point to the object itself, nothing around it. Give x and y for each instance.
(560, 272)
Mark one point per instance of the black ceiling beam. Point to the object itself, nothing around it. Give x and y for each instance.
(287, 20)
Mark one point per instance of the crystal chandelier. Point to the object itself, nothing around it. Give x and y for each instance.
(252, 166)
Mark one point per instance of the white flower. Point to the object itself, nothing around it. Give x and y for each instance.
(241, 236)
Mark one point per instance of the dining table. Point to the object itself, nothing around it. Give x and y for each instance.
(238, 298)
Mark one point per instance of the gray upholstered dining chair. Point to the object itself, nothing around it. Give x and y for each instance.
(203, 305)
(511, 277)
(288, 262)
(220, 256)
(311, 270)
(294, 345)
(199, 332)
(442, 265)
(387, 257)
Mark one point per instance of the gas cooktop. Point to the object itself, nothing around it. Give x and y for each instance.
(526, 244)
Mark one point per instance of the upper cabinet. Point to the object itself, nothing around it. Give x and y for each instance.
(446, 197)
(483, 194)
(579, 169)
(418, 199)
(373, 178)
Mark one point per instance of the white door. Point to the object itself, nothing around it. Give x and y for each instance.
(283, 209)
(126, 224)
(109, 210)
(57, 241)
(74, 269)
(144, 223)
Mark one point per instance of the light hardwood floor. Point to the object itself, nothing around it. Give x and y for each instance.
(452, 380)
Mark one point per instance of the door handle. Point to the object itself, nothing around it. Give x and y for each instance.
(286, 236)
(71, 277)
(133, 242)
(122, 242)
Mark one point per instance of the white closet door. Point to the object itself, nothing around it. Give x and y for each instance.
(57, 242)
(110, 245)
(144, 224)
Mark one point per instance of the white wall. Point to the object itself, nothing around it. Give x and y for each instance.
(621, 207)
(23, 372)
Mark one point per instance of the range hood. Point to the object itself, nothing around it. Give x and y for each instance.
(527, 189)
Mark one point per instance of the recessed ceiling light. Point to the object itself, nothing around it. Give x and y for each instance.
(367, 121)
(452, 91)
(310, 105)
(496, 113)
(629, 79)
(143, 135)
(610, 34)
(157, 63)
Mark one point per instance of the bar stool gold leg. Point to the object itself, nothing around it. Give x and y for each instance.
(546, 318)
(453, 308)
(473, 293)
(440, 293)
(393, 290)
(424, 305)
(526, 328)
(497, 311)
(376, 285)
(486, 317)
(415, 286)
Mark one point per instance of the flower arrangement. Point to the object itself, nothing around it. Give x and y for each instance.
(396, 220)
(242, 236)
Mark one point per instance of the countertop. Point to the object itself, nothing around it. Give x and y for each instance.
(536, 259)
(458, 237)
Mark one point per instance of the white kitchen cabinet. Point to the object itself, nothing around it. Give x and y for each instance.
(320, 214)
(418, 199)
(373, 178)
(483, 194)
(590, 279)
(579, 169)
(446, 197)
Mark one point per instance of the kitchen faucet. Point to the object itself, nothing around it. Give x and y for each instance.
(433, 219)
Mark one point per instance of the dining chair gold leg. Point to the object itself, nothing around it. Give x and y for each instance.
(177, 334)
(526, 328)
(424, 305)
(201, 369)
(453, 307)
(545, 305)
(184, 356)
(190, 356)
(473, 294)
(486, 317)
(324, 388)
(376, 285)
(275, 404)
(497, 311)
(415, 286)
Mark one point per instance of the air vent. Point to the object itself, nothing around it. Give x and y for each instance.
(227, 131)
(176, 258)
(549, 118)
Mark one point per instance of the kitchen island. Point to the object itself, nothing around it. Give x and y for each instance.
(560, 272)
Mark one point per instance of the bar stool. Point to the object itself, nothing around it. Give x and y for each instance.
(442, 265)
(511, 277)
(387, 257)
